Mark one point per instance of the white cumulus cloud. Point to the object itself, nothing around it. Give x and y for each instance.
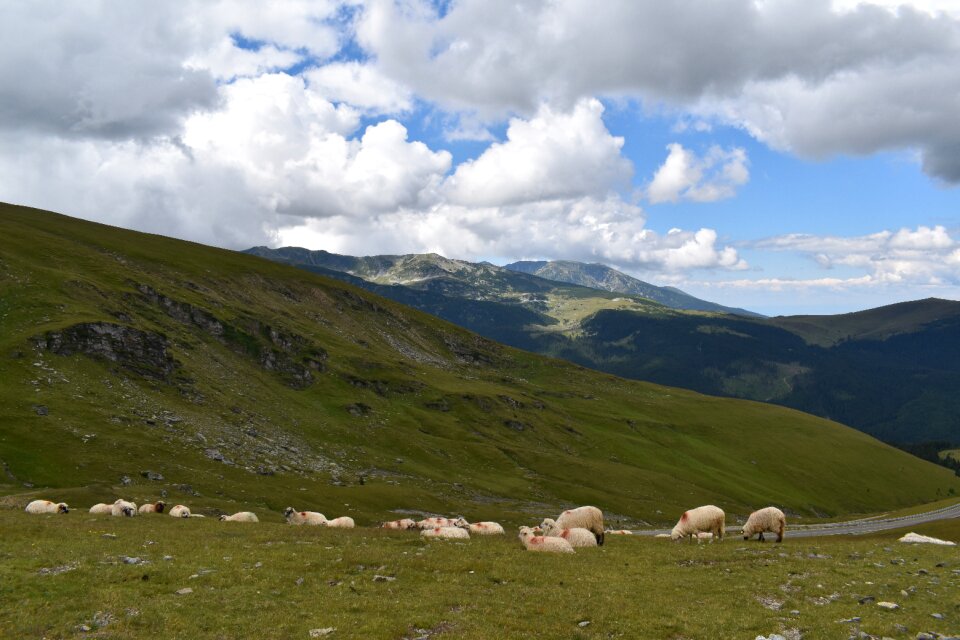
(685, 176)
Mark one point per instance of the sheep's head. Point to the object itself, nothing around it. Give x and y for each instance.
(526, 532)
(62, 508)
(160, 506)
(410, 524)
(461, 522)
(289, 511)
(676, 534)
(127, 511)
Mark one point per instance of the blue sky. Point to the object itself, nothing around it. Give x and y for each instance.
(786, 156)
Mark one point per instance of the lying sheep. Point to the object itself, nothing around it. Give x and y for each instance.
(45, 506)
(577, 536)
(707, 518)
(589, 518)
(479, 528)
(123, 508)
(153, 507)
(242, 516)
(406, 523)
(180, 511)
(430, 523)
(768, 519)
(101, 509)
(533, 542)
(446, 532)
(343, 522)
(304, 517)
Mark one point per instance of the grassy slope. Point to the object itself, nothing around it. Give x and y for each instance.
(440, 436)
(275, 581)
(872, 324)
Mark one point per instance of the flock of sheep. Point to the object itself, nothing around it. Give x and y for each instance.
(580, 527)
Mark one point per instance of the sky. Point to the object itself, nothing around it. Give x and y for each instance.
(786, 156)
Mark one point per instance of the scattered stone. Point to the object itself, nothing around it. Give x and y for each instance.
(168, 558)
(937, 616)
(817, 556)
(583, 624)
(55, 571)
(150, 475)
(853, 620)
(380, 578)
(102, 619)
(109, 536)
(795, 612)
(131, 560)
(299, 581)
(770, 603)
(888, 606)
(184, 591)
(41, 410)
(926, 636)
(866, 599)
(125, 481)
(319, 633)
(85, 628)
(922, 572)
(257, 565)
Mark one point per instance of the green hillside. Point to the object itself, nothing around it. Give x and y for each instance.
(139, 365)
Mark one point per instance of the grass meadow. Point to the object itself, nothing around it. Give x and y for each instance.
(80, 576)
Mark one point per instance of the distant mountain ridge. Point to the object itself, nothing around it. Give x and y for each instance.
(893, 372)
(600, 276)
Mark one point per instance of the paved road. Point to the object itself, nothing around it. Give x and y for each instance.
(852, 527)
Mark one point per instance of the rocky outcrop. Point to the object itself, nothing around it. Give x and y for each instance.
(143, 352)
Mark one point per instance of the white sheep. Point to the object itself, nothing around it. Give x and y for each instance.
(304, 517)
(705, 536)
(123, 508)
(242, 516)
(101, 509)
(619, 532)
(768, 519)
(706, 518)
(45, 506)
(430, 523)
(577, 536)
(406, 523)
(479, 528)
(180, 511)
(446, 533)
(343, 522)
(153, 507)
(589, 518)
(533, 542)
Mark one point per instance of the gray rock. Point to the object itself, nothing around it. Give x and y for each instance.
(380, 578)
(109, 536)
(853, 620)
(150, 475)
(888, 606)
(131, 560)
(184, 591)
(583, 623)
(125, 481)
(937, 616)
(320, 633)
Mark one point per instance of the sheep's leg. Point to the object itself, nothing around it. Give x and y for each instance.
(761, 536)
(780, 533)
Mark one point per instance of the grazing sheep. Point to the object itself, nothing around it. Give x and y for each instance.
(533, 542)
(153, 507)
(446, 532)
(304, 517)
(582, 517)
(479, 528)
(101, 509)
(577, 536)
(123, 508)
(406, 523)
(343, 522)
(619, 532)
(706, 518)
(45, 506)
(768, 519)
(242, 516)
(430, 523)
(180, 511)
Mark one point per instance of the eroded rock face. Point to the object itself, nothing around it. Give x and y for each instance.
(142, 352)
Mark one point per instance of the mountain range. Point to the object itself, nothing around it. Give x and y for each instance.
(893, 372)
(142, 366)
